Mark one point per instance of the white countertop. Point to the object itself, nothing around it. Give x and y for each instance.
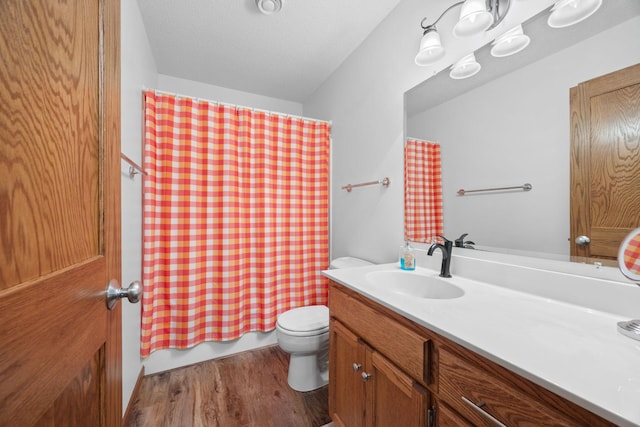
(572, 350)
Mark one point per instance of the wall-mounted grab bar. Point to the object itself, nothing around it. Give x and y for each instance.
(385, 183)
(134, 168)
(524, 187)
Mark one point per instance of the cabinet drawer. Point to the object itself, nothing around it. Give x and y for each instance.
(480, 396)
(402, 346)
(447, 417)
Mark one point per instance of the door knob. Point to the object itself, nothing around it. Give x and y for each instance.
(132, 293)
(356, 367)
(365, 376)
(583, 240)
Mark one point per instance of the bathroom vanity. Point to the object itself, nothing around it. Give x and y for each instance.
(399, 358)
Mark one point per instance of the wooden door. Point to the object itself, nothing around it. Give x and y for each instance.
(605, 162)
(346, 387)
(394, 398)
(59, 212)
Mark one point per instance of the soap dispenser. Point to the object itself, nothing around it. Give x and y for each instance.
(407, 257)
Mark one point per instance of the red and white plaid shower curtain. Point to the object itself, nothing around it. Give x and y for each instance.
(423, 191)
(236, 223)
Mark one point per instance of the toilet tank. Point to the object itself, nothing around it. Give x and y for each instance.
(348, 262)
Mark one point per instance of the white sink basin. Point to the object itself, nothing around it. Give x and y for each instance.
(414, 284)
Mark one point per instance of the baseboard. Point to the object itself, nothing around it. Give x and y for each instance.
(133, 398)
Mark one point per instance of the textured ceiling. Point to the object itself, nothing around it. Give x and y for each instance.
(230, 43)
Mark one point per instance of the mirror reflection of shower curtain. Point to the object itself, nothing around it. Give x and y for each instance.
(236, 224)
(422, 191)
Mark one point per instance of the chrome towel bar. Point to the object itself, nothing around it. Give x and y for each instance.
(134, 168)
(385, 183)
(524, 187)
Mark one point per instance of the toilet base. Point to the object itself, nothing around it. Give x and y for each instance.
(308, 372)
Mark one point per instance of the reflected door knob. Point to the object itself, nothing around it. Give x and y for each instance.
(132, 293)
(583, 240)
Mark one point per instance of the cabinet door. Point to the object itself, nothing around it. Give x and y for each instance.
(394, 398)
(346, 386)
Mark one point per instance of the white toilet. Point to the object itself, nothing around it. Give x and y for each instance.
(303, 332)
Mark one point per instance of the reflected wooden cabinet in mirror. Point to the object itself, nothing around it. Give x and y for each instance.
(605, 162)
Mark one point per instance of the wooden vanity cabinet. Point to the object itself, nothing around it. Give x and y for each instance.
(415, 377)
(366, 388)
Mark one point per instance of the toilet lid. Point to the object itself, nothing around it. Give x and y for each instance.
(312, 319)
(348, 262)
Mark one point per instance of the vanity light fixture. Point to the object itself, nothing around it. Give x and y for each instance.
(569, 12)
(465, 67)
(269, 7)
(476, 16)
(474, 19)
(430, 47)
(509, 43)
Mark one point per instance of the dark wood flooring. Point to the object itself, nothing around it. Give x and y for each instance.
(247, 389)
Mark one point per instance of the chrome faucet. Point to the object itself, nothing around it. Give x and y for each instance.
(446, 255)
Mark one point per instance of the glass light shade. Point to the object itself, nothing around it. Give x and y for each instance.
(474, 19)
(465, 67)
(511, 42)
(568, 12)
(430, 48)
(269, 7)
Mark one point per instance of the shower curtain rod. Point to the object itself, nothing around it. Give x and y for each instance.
(293, 116)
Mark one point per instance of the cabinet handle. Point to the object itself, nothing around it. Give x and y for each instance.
(478, 409)
(356, 367)
(365, 376)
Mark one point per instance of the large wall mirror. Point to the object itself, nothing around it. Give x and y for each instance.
(510, 124)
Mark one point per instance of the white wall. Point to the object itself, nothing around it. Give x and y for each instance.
(138, 69)
(515, 130)
(364, 98)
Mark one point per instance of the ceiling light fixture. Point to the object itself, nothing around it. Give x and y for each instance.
(269, 7)
(569, 12)
(476, 16)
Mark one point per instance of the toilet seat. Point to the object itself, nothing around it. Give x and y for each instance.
(304, 321)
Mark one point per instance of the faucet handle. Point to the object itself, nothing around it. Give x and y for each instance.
(460, 240)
